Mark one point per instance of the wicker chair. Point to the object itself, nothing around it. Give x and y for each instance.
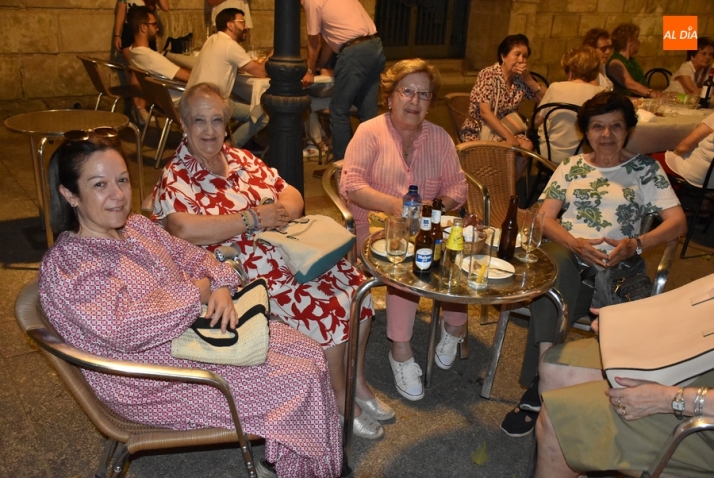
(458, 104)
(116, 93)
(331, 186)
(124, 437)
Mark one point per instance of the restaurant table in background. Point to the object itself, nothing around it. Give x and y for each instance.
(252, 88)
(528, 282)
(40, 126)
(665, 132)
(184, 61)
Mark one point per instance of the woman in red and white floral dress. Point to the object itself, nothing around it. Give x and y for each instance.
(211, 195)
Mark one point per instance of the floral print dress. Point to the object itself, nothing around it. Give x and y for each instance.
(320, 308)
(609, 202)
(490, 87)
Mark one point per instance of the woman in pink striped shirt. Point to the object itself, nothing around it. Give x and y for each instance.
(386, 155)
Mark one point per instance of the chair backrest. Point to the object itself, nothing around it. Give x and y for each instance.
(665, 73)
(67, 362)
(490, 169)
(92, 67)
(331, 186)
(540, 79)
(556, 112)
(158, 90)
(458, 104)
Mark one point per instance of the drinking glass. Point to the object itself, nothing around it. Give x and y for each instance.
(396, 243)
(480, 259)
(531, 235)
(692, 101)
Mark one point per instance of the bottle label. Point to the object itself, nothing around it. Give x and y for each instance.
(456, 239)
(435, 216)
(405, 210)
(422, 258)
(437, 250)
(425, 224)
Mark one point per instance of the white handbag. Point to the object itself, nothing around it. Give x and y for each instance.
(666, 338)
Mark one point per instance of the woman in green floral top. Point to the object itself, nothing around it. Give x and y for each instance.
(603, 197)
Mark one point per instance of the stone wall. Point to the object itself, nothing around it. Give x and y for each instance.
(554, 26)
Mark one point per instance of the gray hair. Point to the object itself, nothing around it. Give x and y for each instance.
(203, 89)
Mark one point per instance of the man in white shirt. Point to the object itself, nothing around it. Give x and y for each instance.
(221, 58)
(349, 32)
(145, 29)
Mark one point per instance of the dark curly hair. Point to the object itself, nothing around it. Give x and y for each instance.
(603, 103)
(509, 43)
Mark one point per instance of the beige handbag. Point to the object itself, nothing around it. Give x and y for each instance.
(513, 123)
(666, 338)
(245, 345)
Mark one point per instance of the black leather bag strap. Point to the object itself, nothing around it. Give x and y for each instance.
(205, 324)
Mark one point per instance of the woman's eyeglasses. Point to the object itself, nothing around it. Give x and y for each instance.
(408, 93)
(82, 135)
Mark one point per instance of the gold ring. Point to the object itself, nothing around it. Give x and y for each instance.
(623, 410)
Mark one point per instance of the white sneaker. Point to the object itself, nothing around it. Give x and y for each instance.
(446, 349)
(407, 378)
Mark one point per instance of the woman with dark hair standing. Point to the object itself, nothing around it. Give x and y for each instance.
(593, 205)
(118, 286)
(499, 91)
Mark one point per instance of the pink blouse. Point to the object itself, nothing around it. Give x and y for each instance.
(374, 159)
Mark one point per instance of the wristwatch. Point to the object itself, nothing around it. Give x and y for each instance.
(678, 404)
(310, 72)
(639, 246)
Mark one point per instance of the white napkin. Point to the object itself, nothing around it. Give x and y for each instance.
(645, 116)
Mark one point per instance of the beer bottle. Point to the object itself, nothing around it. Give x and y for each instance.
(509, 231)
(706, 93)
(423, 243)
(453, 253)
(436, 232)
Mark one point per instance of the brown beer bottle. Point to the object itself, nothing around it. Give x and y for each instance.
(509, 231)
(423, 243)
(436, 232)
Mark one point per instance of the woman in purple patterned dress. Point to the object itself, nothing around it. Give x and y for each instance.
(118, 286)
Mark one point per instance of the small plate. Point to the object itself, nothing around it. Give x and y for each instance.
(496, 271)
(379, 248)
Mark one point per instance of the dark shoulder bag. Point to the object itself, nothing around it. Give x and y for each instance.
(625, 282)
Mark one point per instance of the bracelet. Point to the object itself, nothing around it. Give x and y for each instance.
(115, 36)
(244, 215)
(699, 401)
(256, 217)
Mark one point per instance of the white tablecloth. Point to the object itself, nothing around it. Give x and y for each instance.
(251, 89)
(666, 132)
(184, 61)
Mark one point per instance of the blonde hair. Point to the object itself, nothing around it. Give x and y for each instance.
(391, 78)
(583, 63)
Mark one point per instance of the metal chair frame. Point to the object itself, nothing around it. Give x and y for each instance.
(158, 91)
(331, 186)
(112, 92)
(124, 437)
(699, 195)
(540, 78)
(655, 71)
(532, 134)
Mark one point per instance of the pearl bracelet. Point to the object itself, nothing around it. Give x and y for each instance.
(244, 215)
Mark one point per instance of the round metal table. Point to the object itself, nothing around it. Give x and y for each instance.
(40, 126)
(528, 282)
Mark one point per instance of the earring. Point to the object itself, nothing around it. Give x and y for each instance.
(225, 134)
(185, 135)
